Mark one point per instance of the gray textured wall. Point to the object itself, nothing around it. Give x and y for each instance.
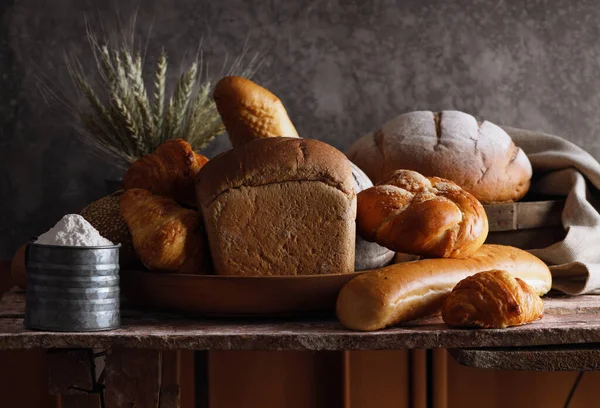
(341, 68)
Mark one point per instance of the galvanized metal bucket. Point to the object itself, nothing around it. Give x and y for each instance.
(72, 288)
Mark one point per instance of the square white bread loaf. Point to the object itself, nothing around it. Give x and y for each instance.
(279, 206)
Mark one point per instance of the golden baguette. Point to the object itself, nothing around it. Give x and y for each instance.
(250, 111)
(407, 291)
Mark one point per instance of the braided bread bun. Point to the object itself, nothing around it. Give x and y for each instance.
(492, 300)
(419, 215)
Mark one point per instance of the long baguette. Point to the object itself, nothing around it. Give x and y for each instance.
(406, 291)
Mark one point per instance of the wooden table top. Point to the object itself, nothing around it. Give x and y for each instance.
(568, 320)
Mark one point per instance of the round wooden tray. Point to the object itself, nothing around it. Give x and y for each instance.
(213, 295)
(526, 224)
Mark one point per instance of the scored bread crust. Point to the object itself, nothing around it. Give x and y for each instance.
(279, 206)
(274, 160)
(407, 291)
(479, 157)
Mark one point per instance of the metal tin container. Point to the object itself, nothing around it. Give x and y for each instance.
(72, 288)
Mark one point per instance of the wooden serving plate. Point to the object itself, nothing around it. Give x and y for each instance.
(526, 225)
(214, 295)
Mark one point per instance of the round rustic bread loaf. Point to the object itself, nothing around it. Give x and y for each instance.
(105, 215)
(479, 157)
(368, 255)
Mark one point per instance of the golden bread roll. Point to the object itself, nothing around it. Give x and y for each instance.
(250, 111)
(492, 300)
(428, 216)
(479, 157)
(407, 291)
(170, 171)
(166, 236)
(279, 206)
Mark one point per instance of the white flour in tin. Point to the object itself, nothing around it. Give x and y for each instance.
(73, 230)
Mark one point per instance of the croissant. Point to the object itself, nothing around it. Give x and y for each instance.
(426, 216)
(492, 300)
(169, 171)
(250, 111)
(166, 236)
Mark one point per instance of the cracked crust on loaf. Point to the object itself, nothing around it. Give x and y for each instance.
(479, 157)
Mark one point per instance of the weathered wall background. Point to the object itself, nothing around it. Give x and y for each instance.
(341, 68)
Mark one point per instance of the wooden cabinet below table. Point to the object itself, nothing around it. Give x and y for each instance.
(358, 379)
(383, 379)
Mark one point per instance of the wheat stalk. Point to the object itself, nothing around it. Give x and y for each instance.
(141, 101)
(125, 120)
(143, 109)
(123, 114)
(169, 114)
(182, 95)
(159, 96)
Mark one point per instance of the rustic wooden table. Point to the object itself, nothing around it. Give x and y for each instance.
(141, 358)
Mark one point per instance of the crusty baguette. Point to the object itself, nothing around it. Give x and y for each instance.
(250, 111)
(406, 291)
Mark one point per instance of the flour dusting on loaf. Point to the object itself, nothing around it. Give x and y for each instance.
(481, 158)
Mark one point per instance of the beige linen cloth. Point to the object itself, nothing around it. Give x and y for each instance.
(570, 171)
